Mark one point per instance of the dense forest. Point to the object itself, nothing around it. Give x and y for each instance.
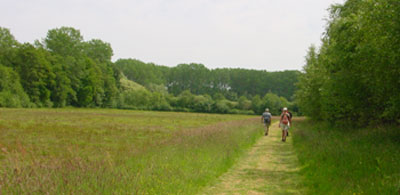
(354, 77)
(200, 80)
(65, 70)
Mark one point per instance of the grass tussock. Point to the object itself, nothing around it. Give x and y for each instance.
(92, 151)
(348, 161)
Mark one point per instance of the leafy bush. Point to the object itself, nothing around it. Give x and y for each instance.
(11, 91)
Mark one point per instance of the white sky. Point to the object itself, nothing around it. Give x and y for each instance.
(254, 34)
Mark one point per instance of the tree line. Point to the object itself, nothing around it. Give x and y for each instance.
(64, 70)
(198, 79)
(354, 77)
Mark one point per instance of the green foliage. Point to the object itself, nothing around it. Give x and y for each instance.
(138, 99)
(35, 69)
(355, 75)
(244, 103)
(64, 70)
(224, 106)
(98, 50)
(219, 96)
(254, 82)
(159, 102)
(135, 96)
(348, 160)
(257, 105)
(8, 45)
(83, 69)
(185, 99)
(64, 41)
(202, 103)
(308, 95)
(61, 85)
(198, 79)
(140, 72)
(274, 103)
(11, 91)
(192, 77)
(128, 85)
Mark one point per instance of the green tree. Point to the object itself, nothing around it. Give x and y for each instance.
(257, 105)
(8, 47)
(309, 86)
(273, 102)
(142, 73)
(98, 50)
(101, 53)
(192, 77)
(11, 91)
(352, 78)
(36, 73)
(244, 103)
(60, 86)
(64, 41)
(202, 103)
(185, 100)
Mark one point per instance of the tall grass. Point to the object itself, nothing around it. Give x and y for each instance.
(95, 151)
(348, 161)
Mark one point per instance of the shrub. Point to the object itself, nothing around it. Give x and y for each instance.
(11, 91)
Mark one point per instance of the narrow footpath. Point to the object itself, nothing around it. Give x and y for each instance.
(270, 167)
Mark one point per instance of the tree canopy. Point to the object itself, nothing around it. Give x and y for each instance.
(355, 76)
(198, 79)
(65, 70)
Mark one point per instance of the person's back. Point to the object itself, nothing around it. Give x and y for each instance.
(267, 116)
(284, 123)
(266, 119)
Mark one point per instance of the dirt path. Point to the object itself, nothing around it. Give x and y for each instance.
(270, 167)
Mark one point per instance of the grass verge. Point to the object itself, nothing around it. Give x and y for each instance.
(97, 151)
(348, 161)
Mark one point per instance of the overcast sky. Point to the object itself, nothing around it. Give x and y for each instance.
(255, 34)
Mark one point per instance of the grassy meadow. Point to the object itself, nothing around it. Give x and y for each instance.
(92, 151)
(348, 161)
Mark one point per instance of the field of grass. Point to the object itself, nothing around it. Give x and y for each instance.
(92, 151)
(348, 161)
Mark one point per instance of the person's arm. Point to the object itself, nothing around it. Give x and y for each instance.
(262, 118)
